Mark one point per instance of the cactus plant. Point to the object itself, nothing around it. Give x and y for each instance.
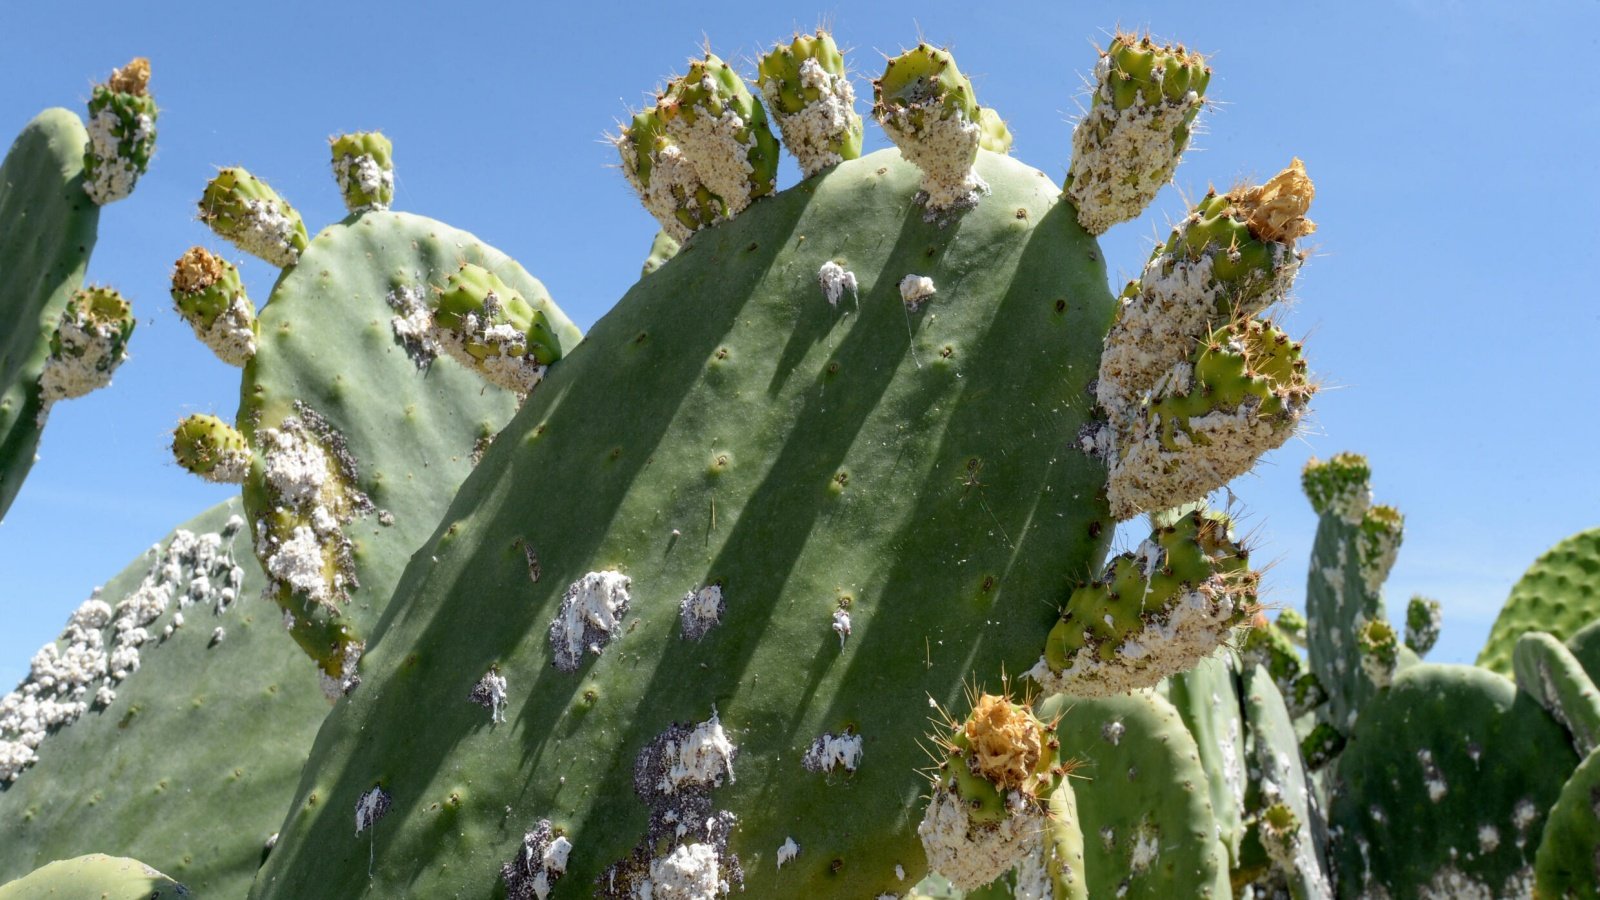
(56, 340)
(785, 692)
(94, 875)
(1559, 594)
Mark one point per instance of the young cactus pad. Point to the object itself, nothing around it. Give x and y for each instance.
(363, 164)
(245, 211)
(95, 875)
(122, 133)
(810, 97)
(41, 183)
(930, 111)
(802, 462)
(208, 294)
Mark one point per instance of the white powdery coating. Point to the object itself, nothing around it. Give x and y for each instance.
(841, 626)
(1488, 838)
(1172, 640)
(334, 688)
(1220, 446)
(517, 372)
(1523, 815)
(231, 467)
(114, 174)
(490, 691)
(90, 354)
(832, 752)
(1450, 883)
(266, 230)
(700, 610)
(298, 563)
(970, 854)
(787, 851)
(370, 808)
(944, 149)
(916, 288)
(1283, 848)
(1427, 633)
(721, 161)
(702, 759)
(232, 335)
(1121, 159)
(835, 280)
(296, 467)
(591, 616)
(822, 124)
(413, 324)
(1376, 551)
(363, 173)
(1034, 881)
(1432, 778)
(690, 872)
(672, 175)
(1350, 502)
(1378, 669)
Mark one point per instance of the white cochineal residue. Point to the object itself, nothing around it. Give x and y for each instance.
(490, 693)
(413, 324)
(972, 854)
(703, 758)
(700, 610)
(835, 280)
(371, 807)
(540, 862)
(690, 872)
(914, 289)
(814, 132)
(590, 617)
(787, 851)
(832, 752)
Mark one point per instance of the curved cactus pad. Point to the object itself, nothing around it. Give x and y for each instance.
(47, 230)
(95, 875)
(1566, 866)
(218, 716)
(1444, 786)
(1560, 594)
(732, 546)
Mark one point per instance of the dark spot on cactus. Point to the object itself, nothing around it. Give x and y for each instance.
(947, 351)
(930, 252)
(836, 865)
(410, 661)
(722, 353)
(127, 717)
(615, 454)
(641, 337)
(1095, 528)
(1061, 306)
(751, 248)
(1022, 213)
(883, 169)
(833, 368)
(1093, 256)
(988, 584)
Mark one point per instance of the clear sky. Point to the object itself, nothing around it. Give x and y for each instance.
(1451, 305)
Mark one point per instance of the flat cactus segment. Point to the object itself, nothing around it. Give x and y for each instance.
(1552, 675)
(1424, 617)
(930, 111)
(211, 448)
(662, 248)
(1155, 612)
(90, 342)
(920, 476)
(1565, 867)
(49, 231)
(122, 133)
(1145, 100)
(1207, 697)
(245, 211)
(487, 326)
(208, 293)
(330, 342)
(809, 93)
(1560, 594)
(1443, 788)
(1279, 778)
(202, 725)
(363, 164)
(1340, 485)
(95, 875)
(1147, 821)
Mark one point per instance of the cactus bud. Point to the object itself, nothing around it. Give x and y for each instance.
(1423, 617)
(89, 344)
(487, 326)
(122, 133)
(1279, 828)
(208, 294)
(1379, 647)
(1154, 612)
(991, 790)
(212, 449)
(363, 164)
(1126, 147)
(245, 211)
(810, 96)
(928, 108)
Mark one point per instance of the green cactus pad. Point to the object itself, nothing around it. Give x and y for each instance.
(1322, 745)
(334, 336)
(122, 133)
(1145, 100)
(1552, 675)
(1148, 826)
(96, 875)
(809, 93)
(1560, 594)
(1340, 485)
(1423, 620)
(916, 503)
(193, 761)
(1279, 778)
(245, 211)
(662, 248)
(90, 342)
(1207, 697)
(1565, 867)
(1443, 788)
(363, 165)
(1154, 612)
(41, 184)
(211, 448)
(487, 326)
(208, 294)
(930, 111)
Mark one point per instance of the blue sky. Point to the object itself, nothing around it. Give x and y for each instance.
(1450, 306)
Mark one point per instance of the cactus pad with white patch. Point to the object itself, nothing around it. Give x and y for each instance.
(122, 133)
(208, 294)
(928, 109)
(90, 342)
(248, 213)
(363, 164)
(809, 95)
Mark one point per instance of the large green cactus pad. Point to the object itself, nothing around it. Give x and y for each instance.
(1560, 593)
(328, 344)
(1144, 800)
(47, 230)
(1207, 697)
(1279, 776)
(94, 876)
(192, 765)
(1567, 865)
(1444, 786)
(725, 426)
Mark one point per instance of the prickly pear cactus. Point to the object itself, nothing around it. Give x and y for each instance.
(1286, 818)
(95, 875)
(1559, 594)
(1549, 672)
(1566, 867)
(1207, 698)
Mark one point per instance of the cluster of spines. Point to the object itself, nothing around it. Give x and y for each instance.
(1143, 107)
(122, 133)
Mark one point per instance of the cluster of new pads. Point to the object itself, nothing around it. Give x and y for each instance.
(1155, 612)
(122, 133)
(1196, 387)
(991, 790)
(88, 345)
